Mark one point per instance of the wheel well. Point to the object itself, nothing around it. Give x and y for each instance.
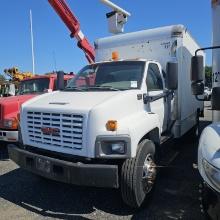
(153, 135)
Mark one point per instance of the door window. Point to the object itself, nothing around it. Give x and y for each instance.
(154, 80)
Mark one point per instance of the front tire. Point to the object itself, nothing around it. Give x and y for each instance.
(138, 175)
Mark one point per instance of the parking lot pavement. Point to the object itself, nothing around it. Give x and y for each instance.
(176, 196)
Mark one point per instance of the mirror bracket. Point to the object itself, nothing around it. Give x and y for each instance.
(148, 98)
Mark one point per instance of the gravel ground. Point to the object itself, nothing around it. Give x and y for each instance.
(25, 196)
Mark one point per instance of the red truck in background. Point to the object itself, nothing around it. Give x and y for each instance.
(29, 88)
(10, 106)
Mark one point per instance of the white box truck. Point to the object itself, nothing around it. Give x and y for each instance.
(106, 127)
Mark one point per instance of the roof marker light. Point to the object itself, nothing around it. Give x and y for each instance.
(115, 55)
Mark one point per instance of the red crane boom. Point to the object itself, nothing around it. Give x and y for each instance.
(64, 12)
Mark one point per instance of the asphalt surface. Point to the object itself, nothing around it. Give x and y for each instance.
(176, 195)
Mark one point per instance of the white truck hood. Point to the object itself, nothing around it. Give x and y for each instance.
(95, 107)
(77, 101)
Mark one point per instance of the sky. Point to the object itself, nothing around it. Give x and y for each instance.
(55, 50)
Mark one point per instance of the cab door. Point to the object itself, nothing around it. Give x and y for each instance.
(155, 87)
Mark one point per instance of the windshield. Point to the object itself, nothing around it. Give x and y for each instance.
(115, 76)
(39, 85)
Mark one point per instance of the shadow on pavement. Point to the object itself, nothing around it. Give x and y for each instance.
(53, 199)
(3, 151)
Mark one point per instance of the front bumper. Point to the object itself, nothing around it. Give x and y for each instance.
(9, 136)
(98, 175)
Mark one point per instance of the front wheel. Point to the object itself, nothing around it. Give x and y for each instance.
(138, 175)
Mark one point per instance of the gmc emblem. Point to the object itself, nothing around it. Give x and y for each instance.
(50, 131)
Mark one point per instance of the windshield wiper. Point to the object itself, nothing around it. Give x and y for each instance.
(86, 88)
(74, 88)
(103, 87)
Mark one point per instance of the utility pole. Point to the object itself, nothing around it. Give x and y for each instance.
(32, 44)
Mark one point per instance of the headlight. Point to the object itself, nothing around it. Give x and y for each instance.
(11, 123)
(110, 148)
(118, 147)
(113, 146)
(212, 173)
(8, 123)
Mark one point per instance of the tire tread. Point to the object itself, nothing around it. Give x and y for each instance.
(129, 180)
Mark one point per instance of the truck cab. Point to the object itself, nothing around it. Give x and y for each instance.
(10, 106)
(118, 90)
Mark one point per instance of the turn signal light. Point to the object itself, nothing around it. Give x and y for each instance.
(18, 116)
(11, 123)
(111, 125)
(15, 124)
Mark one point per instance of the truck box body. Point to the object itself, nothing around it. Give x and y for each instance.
(161, 44)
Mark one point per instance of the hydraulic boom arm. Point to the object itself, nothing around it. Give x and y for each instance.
(64, 12)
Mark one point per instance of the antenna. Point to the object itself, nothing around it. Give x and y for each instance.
(32, 44)
(117, 18)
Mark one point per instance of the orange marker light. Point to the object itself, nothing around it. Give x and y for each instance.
(15, 124)
(115, 55)
(18, 116)
(111, 125)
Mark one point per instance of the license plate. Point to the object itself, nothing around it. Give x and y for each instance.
(43, 165)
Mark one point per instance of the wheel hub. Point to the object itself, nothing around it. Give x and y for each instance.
(149, 173)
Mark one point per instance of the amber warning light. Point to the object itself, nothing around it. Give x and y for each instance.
(115, 55)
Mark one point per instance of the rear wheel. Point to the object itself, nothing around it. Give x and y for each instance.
(138, 175)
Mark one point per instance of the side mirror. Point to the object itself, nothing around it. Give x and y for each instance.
(197, 75)
(172, 76)
(215, 98)
(60, 80)
(197, 68)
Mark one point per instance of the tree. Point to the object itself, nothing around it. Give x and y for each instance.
(2, 78)
(208, 76)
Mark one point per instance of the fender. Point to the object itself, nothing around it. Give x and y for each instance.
(140, 125)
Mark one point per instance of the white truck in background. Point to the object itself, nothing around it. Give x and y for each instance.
(209, 143)
(106, 127)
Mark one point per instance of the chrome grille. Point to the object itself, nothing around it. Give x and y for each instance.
(70, 127)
